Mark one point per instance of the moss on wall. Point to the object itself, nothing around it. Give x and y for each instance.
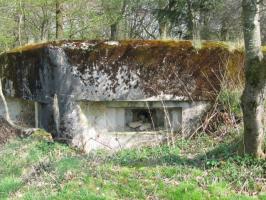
(21, 67)
(171, 67)
(164, 65)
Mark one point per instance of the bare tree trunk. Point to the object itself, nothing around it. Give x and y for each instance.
(164, 22)
(114, 26)
(44, 24)
(114, 31)
(163, 30)
(125, 35)
(190, 24)
(59, 20)
(255, 72)
(224, 31)
(20, 22)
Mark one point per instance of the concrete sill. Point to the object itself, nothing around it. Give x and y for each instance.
(138, 133)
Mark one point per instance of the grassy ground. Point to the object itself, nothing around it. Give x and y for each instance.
(201, 168)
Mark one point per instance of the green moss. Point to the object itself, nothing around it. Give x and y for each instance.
(264, 49)
(35, 46)
(43, 135)
(215, 44)
(151, 43)
(28, 47)
(123, 43)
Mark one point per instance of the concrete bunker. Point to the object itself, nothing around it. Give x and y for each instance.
(112, 95)
(134, 116)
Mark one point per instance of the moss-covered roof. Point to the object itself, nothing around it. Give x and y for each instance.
(173, 43)
(107, 68)
(203, 44)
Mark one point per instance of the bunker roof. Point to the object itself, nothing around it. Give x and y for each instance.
(174, 69)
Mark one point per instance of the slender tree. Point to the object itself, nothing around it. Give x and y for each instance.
(114, 31)
(59, 19)
(114, 12)
(190, 20)
(253, 97)
(20, 21)
(163, 21)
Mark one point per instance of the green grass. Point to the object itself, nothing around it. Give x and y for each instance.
(202, 168)
(8, 185)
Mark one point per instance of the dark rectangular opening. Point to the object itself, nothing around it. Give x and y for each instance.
(140, 119)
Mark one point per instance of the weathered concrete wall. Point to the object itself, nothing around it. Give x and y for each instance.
(112, 116)
(60, 76)
(126, 70)
(101, 124)
(20, 111)
(192, 113)
(104, 123)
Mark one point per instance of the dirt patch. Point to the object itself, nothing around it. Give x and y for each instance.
(7, 132)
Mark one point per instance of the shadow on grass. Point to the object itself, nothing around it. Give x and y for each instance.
(144, 158)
